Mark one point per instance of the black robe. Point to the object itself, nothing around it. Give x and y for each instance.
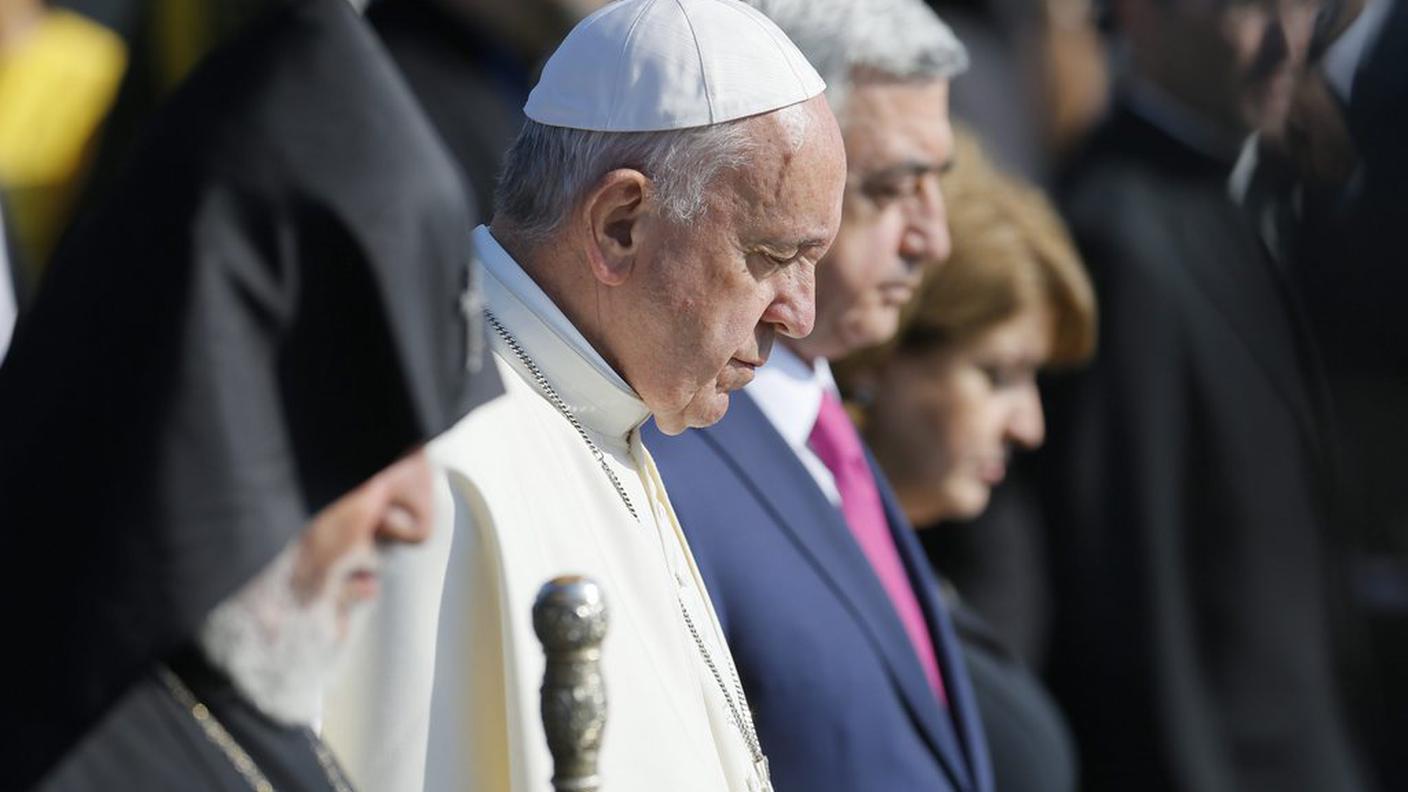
(267, 311)
(1187, 478)
(151, 742)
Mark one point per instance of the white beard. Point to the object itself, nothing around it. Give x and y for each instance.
(280, 652)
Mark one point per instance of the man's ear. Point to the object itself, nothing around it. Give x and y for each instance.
(613, 211)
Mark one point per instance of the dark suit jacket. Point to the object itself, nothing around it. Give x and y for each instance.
(840, 698)
(1351, 264)
(1193, 646)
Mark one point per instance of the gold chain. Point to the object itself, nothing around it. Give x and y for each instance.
(216, 732)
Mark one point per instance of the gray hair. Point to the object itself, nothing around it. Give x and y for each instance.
(549, 169)
(900, 39)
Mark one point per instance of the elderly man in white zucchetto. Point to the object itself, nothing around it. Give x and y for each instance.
(659, 223)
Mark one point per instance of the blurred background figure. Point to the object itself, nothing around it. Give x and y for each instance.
(471, 63)
(1200, 631)
(948, 399)
(78, 81)
(1329, 195)
(1039, 78)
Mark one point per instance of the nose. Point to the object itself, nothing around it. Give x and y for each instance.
(1026, 424)
(409, 511)
(926, 239)
(793, 308)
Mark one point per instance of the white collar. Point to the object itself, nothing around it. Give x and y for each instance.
(593, 391)
(1239, 182)
(788, 391)
(1341, 61)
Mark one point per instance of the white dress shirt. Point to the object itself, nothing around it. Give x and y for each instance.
(789, 391)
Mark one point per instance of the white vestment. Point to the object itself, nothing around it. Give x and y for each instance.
(456, 707)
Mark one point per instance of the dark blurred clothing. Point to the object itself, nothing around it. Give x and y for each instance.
(1194, 643)
(1346, 253)
(151, 742)
(998, 564)
(996, 97)
(1377, 111)
(1030, 744)
(471, 87)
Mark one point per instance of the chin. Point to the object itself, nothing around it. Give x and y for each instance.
(874, 329)
(710, 415)
(969, 502)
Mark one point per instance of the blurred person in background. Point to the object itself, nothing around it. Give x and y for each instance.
(844, 648)
(1329, 196)
(79, 80)
(212, 415)
(946, 402)
(471, 63)
(1039, 79)
(1197, 640)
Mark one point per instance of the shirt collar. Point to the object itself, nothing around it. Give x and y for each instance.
(789, 392)
(594, 393)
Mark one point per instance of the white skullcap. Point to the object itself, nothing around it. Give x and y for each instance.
(650, 65)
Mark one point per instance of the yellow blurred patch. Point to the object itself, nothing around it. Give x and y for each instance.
(55, 89)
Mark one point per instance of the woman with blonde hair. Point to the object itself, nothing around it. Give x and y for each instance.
(945, 402)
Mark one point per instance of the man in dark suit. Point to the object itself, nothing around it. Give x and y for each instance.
(1194, 642)
(1330, 196)
(846, 652)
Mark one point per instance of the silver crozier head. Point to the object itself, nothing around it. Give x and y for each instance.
(570, 619)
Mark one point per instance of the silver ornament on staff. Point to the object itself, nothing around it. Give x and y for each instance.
(570, 619)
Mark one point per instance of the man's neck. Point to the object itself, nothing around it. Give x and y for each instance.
(559, 281)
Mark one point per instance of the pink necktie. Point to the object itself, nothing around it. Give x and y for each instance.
(836, 443)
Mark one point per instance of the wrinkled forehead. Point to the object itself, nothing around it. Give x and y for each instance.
(795, 174)
(891, 122)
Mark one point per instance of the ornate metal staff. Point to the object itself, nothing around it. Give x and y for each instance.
(569, 617)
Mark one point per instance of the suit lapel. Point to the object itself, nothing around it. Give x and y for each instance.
(963, 705)
(767, 466)
(1226, 262)
(1238, 280)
